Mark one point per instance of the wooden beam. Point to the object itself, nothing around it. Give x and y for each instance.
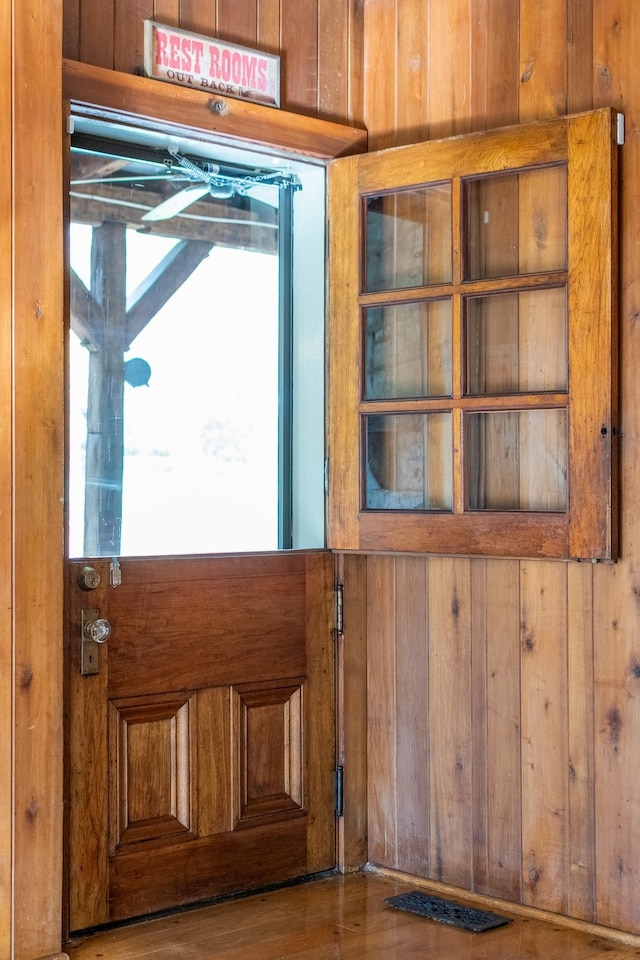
(87, 316)
(160, 285)
(95, 91)
(105, 399)
(219, 223)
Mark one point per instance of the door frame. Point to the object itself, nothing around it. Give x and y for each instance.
(137, 101)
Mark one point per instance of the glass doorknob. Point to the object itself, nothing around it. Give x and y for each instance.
(98, 630)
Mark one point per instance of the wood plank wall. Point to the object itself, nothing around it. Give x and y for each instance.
(319, 42)
(31, 405)
(504, 696)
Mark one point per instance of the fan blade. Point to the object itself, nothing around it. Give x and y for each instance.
(177, 203)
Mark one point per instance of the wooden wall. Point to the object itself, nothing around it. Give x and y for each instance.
(503, 696)
(319, 41)
(31, 402)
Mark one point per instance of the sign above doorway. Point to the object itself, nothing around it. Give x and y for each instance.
(212, 65)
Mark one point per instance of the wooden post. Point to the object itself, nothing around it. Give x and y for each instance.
(105, 401)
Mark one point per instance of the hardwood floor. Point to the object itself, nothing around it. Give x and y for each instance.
(340, 918)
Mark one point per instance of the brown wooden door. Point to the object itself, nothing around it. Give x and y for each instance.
(202, 752)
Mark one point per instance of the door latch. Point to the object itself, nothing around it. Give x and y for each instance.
(95, 630)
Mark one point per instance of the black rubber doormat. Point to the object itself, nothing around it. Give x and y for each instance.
(447, 912)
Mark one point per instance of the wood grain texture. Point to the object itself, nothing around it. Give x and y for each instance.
(380, 72)
(37, 476)
(543, 59)
(202, 754)
(199, 16)
(449, 103)
(320, 712)
(113, 95)
(494, 56)
(299, 53)
(580, 677)
(346, 917)
(351, 658)
(382, 709)
(545, 767)
(414, 723)
(450, 735)
(615, 608)
(268, 14)
(7, 643)
(531, 60)
(319, 43)
(238, 22)
(167, 11)
(128, 35)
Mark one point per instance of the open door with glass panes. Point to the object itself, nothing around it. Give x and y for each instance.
(473, 342)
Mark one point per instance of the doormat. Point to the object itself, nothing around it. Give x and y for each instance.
(447, 912)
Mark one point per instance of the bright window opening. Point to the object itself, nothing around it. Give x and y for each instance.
(196, 349)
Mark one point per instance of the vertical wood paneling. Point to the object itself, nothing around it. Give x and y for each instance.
(238, 22)
(582, 823)
(167, 11)
(198, 16)
(543, 59)
(333, 60)
(449, 68)
(320, 42)
(320, 710)
(96, 27)
(545, 760)
(504, 804)
(495, 55)
(269, 25)
(6, 523)
(616, 589)
(479, 728)
(381, 710)
(71, 30)
(355, 79)
(553, 655)
(413, 66)
(352, 712)
(579, 55)
(128, 34)
(450, 738)
(380, 70)
(37, 473)
(412, 731)
(298, 66)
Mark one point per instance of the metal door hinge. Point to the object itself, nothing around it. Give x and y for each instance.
(339, 791)
(339, 609)
(620, 129)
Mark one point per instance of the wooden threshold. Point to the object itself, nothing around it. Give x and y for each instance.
(342, 918)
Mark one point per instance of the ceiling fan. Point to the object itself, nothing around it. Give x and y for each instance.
(101, 162)
(208, 179)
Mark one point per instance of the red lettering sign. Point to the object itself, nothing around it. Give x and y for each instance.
(191, 60)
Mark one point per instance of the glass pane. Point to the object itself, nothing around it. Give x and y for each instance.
(517, 342)
(408, 350)
(408, 238)
(409, 462)
(180, 477)
(516, 223)
(184, 437)
(516, 460)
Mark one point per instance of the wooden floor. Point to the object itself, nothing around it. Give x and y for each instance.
(341, 918)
